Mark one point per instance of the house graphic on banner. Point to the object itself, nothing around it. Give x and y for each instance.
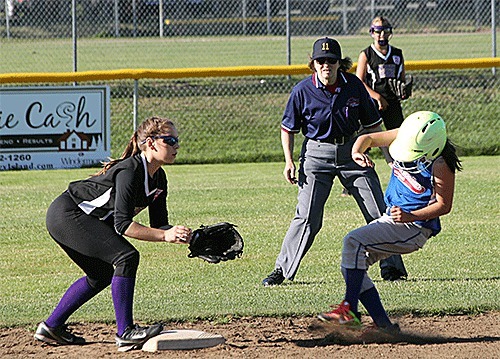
(74, 141)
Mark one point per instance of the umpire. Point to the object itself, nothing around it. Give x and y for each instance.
(331, 108)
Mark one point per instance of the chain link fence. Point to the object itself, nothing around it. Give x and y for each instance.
(105, 27)
(238, 119)
(140, 18)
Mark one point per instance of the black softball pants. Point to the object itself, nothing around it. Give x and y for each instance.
(92, 244)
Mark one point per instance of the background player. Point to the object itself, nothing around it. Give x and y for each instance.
(329, 108)
(379, 64)
(90, 220)
(420, 190)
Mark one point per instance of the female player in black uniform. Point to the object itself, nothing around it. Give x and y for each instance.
(379, 64)
(90, 220)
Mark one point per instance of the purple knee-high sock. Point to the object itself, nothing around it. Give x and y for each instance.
(76, 295)
(371, 301)
(122, 290)
(353, 281)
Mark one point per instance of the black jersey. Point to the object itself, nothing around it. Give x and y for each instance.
(122, 192)
(380, 68)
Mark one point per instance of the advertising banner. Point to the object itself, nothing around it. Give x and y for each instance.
(54, 127)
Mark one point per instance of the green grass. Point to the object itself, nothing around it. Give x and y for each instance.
(56, 55)
(457, 272)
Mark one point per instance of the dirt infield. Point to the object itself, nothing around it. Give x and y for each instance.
(421, 337)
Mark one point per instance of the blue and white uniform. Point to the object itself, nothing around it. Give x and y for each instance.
(412, 191)
(383, 237)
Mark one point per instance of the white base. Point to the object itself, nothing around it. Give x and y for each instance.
(182, 340)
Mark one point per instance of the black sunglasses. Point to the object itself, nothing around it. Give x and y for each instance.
(329, 61)
(379, 29)
(169, 140)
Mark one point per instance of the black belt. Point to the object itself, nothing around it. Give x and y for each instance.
(340, 140)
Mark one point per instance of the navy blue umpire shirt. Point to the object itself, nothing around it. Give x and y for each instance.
(326, 112)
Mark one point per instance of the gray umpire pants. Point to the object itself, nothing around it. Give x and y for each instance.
(320, 163)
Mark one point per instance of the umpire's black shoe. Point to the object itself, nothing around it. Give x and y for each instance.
(275, 278)
(59, 335)
(392, 274)
(136, 335)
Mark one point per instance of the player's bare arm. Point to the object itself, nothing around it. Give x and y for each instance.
(383, 148)
(176, 234)
(444, 185)
(361, 74)
(374, 139)
(287, 142)
(403, 74)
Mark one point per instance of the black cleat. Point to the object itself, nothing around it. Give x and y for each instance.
(275, 278)
(58, 335)
(136, 335)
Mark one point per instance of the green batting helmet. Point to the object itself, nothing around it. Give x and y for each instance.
(421, 138)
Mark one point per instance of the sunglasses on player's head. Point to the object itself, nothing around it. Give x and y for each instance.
(169, 140)
(329, 61)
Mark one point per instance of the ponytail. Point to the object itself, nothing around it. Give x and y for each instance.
(449, 155)
(131, 150)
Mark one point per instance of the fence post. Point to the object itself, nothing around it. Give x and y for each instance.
(74, 32)
(117, 19)
(493, 35)
(160, 17)
(268, 16)
(344, 16)
(288, 35)
(244, 16)
(7, 18)
(134, 18)
(135, 101)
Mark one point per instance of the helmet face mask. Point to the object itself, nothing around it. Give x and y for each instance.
(420, 140)
(416, 166)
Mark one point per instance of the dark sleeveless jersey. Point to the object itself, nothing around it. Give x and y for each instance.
(380, 68)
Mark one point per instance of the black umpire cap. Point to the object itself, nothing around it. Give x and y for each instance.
(326, 47)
